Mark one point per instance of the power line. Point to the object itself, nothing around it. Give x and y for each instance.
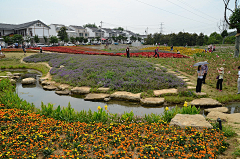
(168, 11)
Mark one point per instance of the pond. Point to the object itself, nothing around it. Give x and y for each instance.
(36, 94)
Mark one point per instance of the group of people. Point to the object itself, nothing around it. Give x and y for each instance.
(211, 48)
(202, 73)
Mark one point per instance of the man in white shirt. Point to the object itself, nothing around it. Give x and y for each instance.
(238, 81)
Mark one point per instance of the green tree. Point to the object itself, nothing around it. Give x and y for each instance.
(230, 40)
(114, 38)
(119, 28)
(62, 34)
(28, 39)
(85, 40)
(36, 39)
(233, 22)
(90, 25)
(205, 40)
(98, 38)
(133, 38)
(139, 39)
(53, 40)
(45, 39)
(149, 40)
(72, 39)
(7, 39)
(200, 39)
(17, 38)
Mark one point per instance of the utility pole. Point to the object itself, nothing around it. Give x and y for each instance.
(101, 32)
(161, 28)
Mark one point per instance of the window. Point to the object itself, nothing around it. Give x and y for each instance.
(31, 33)
(86, 35)
(0, 34)
(81, 34)
(38, 24)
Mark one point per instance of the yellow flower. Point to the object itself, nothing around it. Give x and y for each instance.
(185, 104)
(105, 107)
(166, 109)
(99, 108)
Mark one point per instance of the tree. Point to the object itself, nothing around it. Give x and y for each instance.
(85, 40)
(28, 39)
(224, 34)
(230, 40)
(233, 22)
(72, 39)
(133, 38)
(119, 28)
(114, 38)
(36, 39)
(53, 39)
(223, 26)
(200, 39)
(81, 39)
(17, 38)
(45, 39)
(139, 39)
(62, 34)
(98, 38)
(90, 25)
(7, 39)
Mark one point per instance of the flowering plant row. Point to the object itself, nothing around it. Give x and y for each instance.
(79, 51)
(16, 50)
(25, 134)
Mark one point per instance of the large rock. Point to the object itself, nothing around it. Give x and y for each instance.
(183, 120)
(96, 97)
(13, 81)
(81, 90)
(63, 86)
(49, 87)
(165, 91)
(218, 109)
(28, 81)
(205, 102)
(227, 117)
(48, 82)
(42, 79)
(122, 95)
(103, 90)
(62, 92)
(152, 101)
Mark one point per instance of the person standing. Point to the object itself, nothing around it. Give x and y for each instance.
(172, 48)
(127, 51)
(199, 80)
(220, 79)
(238, 81)
(0, 49)
(24, 49)
(156, 52)
(40, 49)
(205, 69)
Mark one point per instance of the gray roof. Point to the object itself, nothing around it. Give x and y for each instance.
(20, 26)
(76, 27)
(108, 30)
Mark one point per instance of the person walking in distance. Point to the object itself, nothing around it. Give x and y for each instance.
(205, 69)
(199, 79)
(156, 52)
(220, 79)
(127, 51)
(40, 49)
(238, 81)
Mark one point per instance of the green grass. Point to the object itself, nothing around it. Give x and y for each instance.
(236, 153)
(12, 61)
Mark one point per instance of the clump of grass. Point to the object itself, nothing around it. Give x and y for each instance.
(236, 153)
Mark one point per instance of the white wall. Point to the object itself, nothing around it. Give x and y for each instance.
(40, 31)
(91, 34)
(52, 31)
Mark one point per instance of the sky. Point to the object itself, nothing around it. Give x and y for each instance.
(152, 16)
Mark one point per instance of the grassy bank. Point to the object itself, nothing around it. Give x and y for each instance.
(27, 132)
(13, 61)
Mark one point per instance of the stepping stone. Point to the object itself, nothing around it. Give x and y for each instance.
(62, 92)
(186, 80)
(4, 77)
(184, 120)
(191, 87)
(165, 91)
(218, 109)
(103, 90)
(28, 81)
(158, 65)
(172, 72)
(189, 83)
(152, 101)
(200, 94)
(81, 90)
(61, 66)
(13, 81)
(17, 74)
(157, 68)
(96, 97)
(48, 82)
(205, 102)
(230, 118)
(123, 95)
(49, 87)
(42, 79)
(15, 77)
(182, 77)
(63, 86)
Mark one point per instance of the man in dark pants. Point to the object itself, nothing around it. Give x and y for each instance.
(156, 53)
(127, 51)
(205, 69)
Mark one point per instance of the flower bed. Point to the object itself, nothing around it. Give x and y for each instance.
(88, 51)
(183, 50)
(29, 135)
(17, 50)
(114, 72)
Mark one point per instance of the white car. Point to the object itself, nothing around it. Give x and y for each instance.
(41, 45)
(70, 44)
